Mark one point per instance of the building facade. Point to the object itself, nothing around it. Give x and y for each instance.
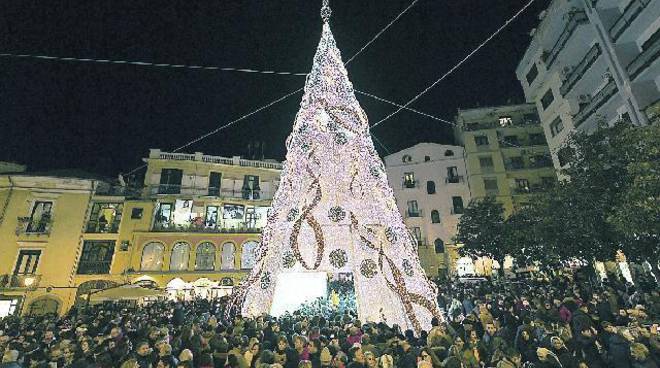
(593, 62)
(430, 187)
(506, 154)
(192, 229)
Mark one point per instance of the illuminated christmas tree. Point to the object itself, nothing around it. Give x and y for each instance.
(334, 211)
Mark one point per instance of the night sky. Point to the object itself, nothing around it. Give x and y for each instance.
(104, 118)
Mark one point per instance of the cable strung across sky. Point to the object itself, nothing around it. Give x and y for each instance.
(460, 63)
(146, 63)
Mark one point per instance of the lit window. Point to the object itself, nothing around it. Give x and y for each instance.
(152, 257)
(506, 121)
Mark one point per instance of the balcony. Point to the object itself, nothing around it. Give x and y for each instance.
(575, 18)
(94, 268)
(193, 228)
(20, 282)
(630, 13)
(644, 59)
(234, 161)
(247, 194)
(597, 101)
(454, 179)
(414, 214)
(457, 210)
(534, 188)
(410, 184)
(471, 127)
(100, 227)
(576, 74)
(28, 226)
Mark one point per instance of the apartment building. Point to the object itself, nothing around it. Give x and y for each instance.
(430, 187)
(593, 62)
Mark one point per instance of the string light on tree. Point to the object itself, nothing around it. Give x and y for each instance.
(334, 210)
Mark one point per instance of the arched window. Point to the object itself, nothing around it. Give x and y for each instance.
(449, 153)
(180, 257)
(430, 187)
(248, 255)
(435, 217)
(228, 256)
(152, 257)
(439, 246)
(205, 257)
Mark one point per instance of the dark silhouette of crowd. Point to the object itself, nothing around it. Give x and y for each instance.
(556, 322)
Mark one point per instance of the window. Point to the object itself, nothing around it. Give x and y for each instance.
(490, 184)
(170, 181)
(449, 153)
(27, 262)
(249, 255)
(430, 187)
(251, 188)
(556, 126)
(548, 181)
(439, 246)
(516, 163)
(96, 257)
(547, 99)
(215, 183)
(152, 257)
(532, 74)
(413, 210)
(164, 215)
(211, 219)
(564, 156)
(511, 141)
(435, 217)
(180, 257)
(505, 121)
(537, 139)
(105, 218)
(406, 158)
(540, 161)
(409, 180)
(136, 213)
(481, 140)
(457, 203)
(452, 174)
(40, 218)
(8, 306)
(522, 185)
(227, 256)
(417, 233)
(486, 163)
(205, 257)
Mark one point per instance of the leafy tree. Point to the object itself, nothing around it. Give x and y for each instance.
(481, 229)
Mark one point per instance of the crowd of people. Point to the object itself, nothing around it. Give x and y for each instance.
(557, 322)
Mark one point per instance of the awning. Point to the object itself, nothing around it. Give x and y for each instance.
(126, 292)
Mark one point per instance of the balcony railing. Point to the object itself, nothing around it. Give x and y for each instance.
(170, 227)
(576, 74)
(538, 163)
(410, 184)
(235, 161)
(26, 282)
(27, 225)
(534, 188)
(457, 210)
(575, 18)
(247, 194)
(597, 101)
(95, 226)
(94, 268)
(410, 213)
(630, 13)
(644, 59)
(454, 179)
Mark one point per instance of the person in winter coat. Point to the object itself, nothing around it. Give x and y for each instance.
(566, 358)
(641, 356)
(10, 359)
